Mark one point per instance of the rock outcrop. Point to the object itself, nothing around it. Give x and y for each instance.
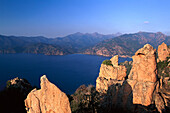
(143, 75)
(114, 60)
(108, 73)
(163, 52)
(22, 84)
(136, 93)
(49, 99)
(13, 96)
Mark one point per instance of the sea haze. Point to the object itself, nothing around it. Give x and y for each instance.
(68, 72)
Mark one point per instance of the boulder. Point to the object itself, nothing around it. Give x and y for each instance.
(48, 99)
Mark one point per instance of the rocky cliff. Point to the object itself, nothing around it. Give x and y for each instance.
(140, 92)
(143, 75)
(49, 99)
(110, 73)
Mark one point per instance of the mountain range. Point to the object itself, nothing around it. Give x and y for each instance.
(94, 43)
(127, 44)
(70, 44)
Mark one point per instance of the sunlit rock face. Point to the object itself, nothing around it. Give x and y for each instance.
(143, 75)
(163, 52)
(108, 73)
(49, 99)
(137, 90)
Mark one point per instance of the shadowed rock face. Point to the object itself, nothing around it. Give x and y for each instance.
(49, 99)
(13, 96)
(22, 84)
(163, 52)
(143, 75)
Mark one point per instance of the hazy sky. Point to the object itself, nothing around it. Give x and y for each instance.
(52, 18)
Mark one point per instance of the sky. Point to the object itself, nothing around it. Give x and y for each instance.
(53, 18)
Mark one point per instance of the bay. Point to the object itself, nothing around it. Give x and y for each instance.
(68, 72)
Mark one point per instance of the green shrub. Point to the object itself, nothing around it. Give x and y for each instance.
(107, 62)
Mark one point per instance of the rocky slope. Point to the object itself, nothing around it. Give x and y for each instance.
(46, 49)
(127, 44)
(48, 99)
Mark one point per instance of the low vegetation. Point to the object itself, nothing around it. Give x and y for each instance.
(163, 68)
(85, 100)
(107, 62)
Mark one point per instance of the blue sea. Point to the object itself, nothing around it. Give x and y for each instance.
(68, 72)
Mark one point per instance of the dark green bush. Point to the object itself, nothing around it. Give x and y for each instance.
(107, 62)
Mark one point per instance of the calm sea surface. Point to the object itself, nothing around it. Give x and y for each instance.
(68, 72)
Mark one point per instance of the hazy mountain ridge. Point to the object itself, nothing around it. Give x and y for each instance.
(127, 44)
(95, 43)
(67, 45)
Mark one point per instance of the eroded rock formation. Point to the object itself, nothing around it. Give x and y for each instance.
(140, 90)
(109, 73)
(143, 75)
(49, 99)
